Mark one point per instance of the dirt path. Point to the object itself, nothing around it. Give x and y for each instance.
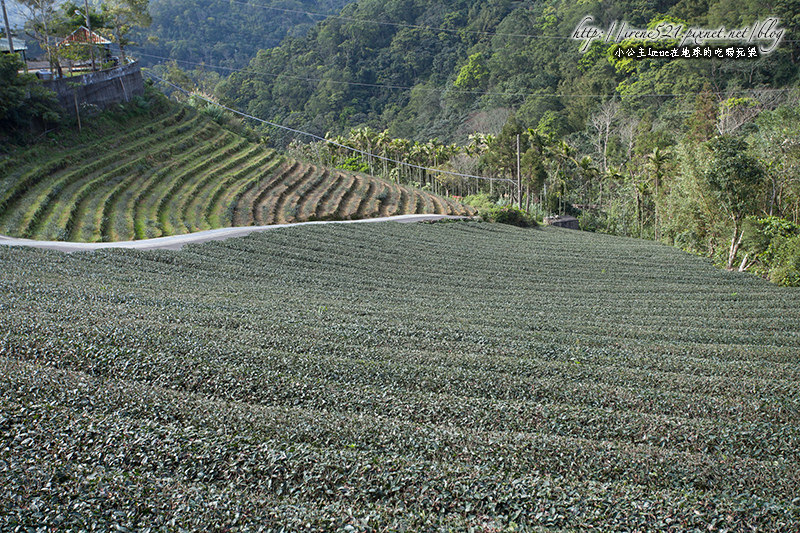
(176, 242)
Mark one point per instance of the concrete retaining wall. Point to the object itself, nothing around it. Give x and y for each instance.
(100, 89)
(563, 222)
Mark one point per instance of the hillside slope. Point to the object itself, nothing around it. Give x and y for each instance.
(444, 69)
(181, 172)
(387, 377)
(226, 33)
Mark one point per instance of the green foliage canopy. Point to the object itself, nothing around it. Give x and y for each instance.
(22, 98)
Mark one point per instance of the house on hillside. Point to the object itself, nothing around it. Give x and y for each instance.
(83, 36)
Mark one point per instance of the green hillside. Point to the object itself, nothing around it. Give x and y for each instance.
(634, 147)
(176, 171)
(389, 377)
(445, 69)
(225, 33)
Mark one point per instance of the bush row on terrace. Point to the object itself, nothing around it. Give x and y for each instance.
(463, 376)
(177, 171)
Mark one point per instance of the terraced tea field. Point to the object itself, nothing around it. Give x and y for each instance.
(183, 173)
(386, 377)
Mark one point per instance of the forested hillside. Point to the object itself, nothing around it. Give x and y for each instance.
(444, 69)
(226, 33)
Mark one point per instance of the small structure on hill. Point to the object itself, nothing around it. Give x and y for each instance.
(83, 36)
(562, 222)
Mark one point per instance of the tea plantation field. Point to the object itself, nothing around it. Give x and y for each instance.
(421, 377)
(177, 172)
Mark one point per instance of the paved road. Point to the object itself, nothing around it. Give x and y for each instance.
(176, 242)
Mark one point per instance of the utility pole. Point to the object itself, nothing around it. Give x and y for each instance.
(89, 27)
(519, 178)
(77, 109)
(8, 28)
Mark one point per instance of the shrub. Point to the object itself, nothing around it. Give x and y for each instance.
(593, 221)
(355, 163)
(508, 215)
(23, 100)
(776, 243)
(480, 201)
(786, 261)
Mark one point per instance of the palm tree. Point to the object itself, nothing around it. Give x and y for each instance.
(401, 149)
(588, 172)
(561, 155)
(657, 162)
(417, 156)
(382, 141)
(364, 140)
(339, 152)
(612, 175)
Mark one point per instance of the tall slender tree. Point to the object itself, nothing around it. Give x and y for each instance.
(123, 16)
(40, 18)
(657, 162)
(736, 179)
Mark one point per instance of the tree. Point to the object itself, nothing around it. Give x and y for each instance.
(364, 139)
(40, 18)
(588, 173)
(533, 163)
(735, 112)
(658, 161)
(502, 150)
(472, 75)
(123, 16)
(71, 18)
(736, 179)
(22, 98)
(703, 122)
(777, 141)
(560, 156)
(602, 122)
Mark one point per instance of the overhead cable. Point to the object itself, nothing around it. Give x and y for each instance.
(424, 89)
(401, 24)
(329, 141)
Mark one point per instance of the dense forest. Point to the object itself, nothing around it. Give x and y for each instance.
(445, 69)
(225, 33)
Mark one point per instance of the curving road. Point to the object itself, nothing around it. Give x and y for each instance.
(176, 242)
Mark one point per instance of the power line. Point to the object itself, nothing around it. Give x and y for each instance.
(329, 141)
(413, 26)
(423, 89)
(405, 87)
(401, 24)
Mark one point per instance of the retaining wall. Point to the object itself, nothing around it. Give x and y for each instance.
(100, 89)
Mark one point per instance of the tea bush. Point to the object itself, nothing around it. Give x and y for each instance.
(508, 215)
(390, 377)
